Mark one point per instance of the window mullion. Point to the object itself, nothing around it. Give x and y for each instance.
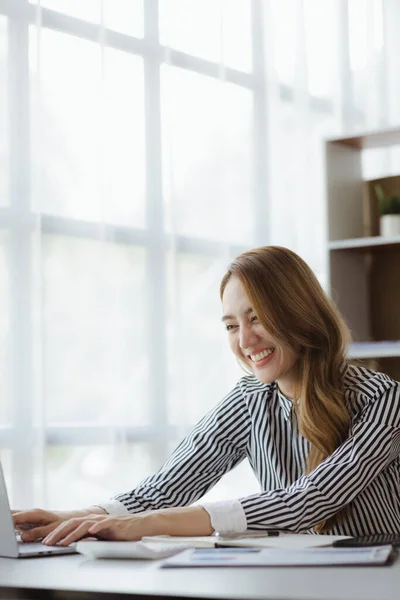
(260, 150)
(20, 262)
(156, 281)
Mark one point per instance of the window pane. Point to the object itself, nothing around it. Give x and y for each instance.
(366, 39)
(207, 156)
(194, 323)
(125, 16)
(3, 113)
(366, 33)
(87, 130)
(283, 16)
(94, 473)
(5, 367)
(5, 459)
(321, 38)
(95, 365)
(216, 31)
(124, 139)
(88, 10)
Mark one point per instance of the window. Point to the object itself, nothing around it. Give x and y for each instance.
(115, 148)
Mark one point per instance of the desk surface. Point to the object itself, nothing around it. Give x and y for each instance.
(76, 576)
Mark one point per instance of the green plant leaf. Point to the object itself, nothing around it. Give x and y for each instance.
(382, 199)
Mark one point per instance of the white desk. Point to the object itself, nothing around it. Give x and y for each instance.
(75, 576)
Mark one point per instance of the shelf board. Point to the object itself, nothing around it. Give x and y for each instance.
(365, 243)
(373, 139)
(374, 349)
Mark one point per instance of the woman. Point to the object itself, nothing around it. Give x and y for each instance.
(322, 436)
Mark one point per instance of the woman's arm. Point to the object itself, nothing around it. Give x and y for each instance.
(185, 521)
(373, 444)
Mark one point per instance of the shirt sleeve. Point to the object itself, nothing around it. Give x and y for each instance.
(227, 516)
(215, 445)
(373, 444)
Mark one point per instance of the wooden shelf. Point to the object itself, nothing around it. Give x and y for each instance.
(374, 349)
(363, 267)
(365, 243)
(373, 139)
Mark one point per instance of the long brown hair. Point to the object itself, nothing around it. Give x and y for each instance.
(292, 306)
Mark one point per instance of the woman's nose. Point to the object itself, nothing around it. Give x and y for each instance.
(247, 337)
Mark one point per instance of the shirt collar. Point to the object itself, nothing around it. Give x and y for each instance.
(285, 403)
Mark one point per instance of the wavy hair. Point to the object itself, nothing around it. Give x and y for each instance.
(292, 306)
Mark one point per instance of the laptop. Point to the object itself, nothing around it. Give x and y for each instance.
(9, 544)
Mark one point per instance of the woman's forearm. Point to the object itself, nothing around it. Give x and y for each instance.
(94, 510)
(185, 521)
(189, 520)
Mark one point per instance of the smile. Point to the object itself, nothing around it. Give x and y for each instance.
(261, 355)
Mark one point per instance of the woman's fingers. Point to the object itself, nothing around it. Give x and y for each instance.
(37, 533)
(106, 527)
(37, 516)
(77, 534)
(72, 530)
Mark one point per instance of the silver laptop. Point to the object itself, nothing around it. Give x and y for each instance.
(9, 545)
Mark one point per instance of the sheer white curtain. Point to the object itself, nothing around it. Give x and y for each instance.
(143, 144)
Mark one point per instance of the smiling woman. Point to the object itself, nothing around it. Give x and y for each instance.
(321, 435)
(270, 359)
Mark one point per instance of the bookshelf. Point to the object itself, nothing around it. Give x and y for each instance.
(364, 267)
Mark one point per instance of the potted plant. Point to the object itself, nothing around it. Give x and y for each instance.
(389, 210)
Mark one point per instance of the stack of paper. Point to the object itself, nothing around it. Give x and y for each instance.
(204, 541)
(291, 541)
(267, 557)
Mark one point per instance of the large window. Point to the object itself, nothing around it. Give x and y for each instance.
(122, 131)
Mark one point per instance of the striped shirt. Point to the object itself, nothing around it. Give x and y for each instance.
(255, 421)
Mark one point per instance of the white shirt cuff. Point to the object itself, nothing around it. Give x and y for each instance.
(113, 507)
(227, 516)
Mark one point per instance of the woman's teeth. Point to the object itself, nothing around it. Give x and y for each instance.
(261, 355)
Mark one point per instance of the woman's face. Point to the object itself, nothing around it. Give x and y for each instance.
(269, 359)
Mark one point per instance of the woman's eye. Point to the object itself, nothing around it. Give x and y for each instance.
(253, 318)
(229, 327)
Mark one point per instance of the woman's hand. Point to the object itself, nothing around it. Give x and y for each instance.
(192, 520)
(121, 527)
(36, 524)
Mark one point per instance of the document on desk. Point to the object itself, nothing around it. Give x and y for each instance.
(291, 541)
(268, 557)
(200, 541)
(285, 541)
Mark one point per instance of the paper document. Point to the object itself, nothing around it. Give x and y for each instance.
(268, 557)
(292, 541)
(203, 541)
(289, 541)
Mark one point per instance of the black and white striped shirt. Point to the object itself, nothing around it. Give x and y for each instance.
(255, 421)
